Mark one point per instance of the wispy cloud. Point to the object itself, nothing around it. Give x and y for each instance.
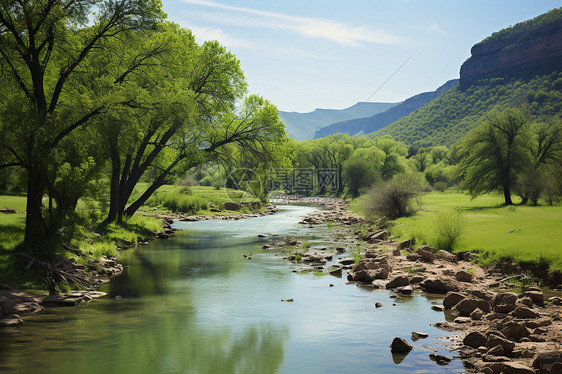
(213, 33)
(435, 27)
(306, 26)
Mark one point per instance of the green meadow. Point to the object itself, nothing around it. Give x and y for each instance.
(522, 233)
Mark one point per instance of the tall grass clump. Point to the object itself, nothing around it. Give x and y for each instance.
(177, 201)
(394, 198)
(448, 227)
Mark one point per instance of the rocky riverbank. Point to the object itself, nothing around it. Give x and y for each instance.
(499, 331)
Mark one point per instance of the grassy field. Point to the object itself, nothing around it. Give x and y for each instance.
(523, 233)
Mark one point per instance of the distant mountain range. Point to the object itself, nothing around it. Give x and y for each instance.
(303, 126)
(366, 125)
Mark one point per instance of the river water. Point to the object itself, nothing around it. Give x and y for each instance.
(194, 304)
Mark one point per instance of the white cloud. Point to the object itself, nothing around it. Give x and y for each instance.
(306, 26)
(212, 33)
(435, 27)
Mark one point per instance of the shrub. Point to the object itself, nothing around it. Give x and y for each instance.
(394, 198)
(440, 186)
(448, 228)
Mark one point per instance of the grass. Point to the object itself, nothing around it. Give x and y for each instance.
(522, 233)
(191, 200)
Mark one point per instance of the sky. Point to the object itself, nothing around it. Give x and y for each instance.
(308, 54)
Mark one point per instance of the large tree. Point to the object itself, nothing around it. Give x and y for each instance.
(43, 46)
(495, 154)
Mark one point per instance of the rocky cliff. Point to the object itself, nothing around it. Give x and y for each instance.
(526, 48)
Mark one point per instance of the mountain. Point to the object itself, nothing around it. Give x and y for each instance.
(367, 125)
(528, 47)
(302, 126)
(520, 66)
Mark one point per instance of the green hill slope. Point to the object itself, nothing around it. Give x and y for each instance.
(449, 117)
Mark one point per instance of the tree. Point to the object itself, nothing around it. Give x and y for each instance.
(362, 169)
(495, 153)
(43, 44)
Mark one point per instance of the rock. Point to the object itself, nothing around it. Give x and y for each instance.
(494, 340)
(398, 281)
(538, 323)
(407, 243)
(493, 316)
(466, 306)
(484, 295)
(475, 339)
(463, 276)
(505, 308)
(346, 261)
(337, 272)
(487, 370)
(426, 255)
(515, 368)
(536, 296)
(477, 314)
(555, 300)
(439, 359)
(491, 358)
(413, 257)
(515, 331)
(405, 290)
(416, 279)
(8, 211)
(396, 252)
(439, 286)
(426, 248)
(504, 298)
(447, 256)
(419, 335)
(378, 304)
(462, 320)
(400, 345)
(525, 301)
(536, 338)
(438, 308)
(13, 321)
(451, 299)
(524, 312)
(497, 351)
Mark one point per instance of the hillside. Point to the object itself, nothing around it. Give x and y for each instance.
(449, 117)
(302, 126)
(520, 66)
(367, 125)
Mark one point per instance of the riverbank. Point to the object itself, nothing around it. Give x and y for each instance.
(498, 330)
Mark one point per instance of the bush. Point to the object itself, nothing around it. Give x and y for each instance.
(394, 198)
(440, 186)
(448, 228)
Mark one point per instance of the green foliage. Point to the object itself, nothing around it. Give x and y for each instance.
(448, 118)
(394, 198)
(448, 228)
(178, 202)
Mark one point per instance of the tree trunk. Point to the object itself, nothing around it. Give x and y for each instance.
(35, 239)
(507, 194)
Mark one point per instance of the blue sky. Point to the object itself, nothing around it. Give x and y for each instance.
(303, 55)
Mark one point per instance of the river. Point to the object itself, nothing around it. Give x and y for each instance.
(194, 304)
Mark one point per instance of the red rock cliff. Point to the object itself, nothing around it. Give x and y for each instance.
(535, 49)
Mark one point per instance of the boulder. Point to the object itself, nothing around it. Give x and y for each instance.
(555, 300)
(536, 296)
(543, 359)
(398, 281)
(462, 320)
(496, 351)
(525, 301)
(447, 256)
(439, 286)
(451, 299)
(400, 345)
(505, 308)
(475, 339)
(396, 252)
(524, 312)
(438, 308)
(477, 314)
(494, 340)
(378, 304)
(466, 306)
(405, 290)
(538, 323)
(515, 368)
(484, 295)
(425, 254)
(439, 359)
(464, 276)
(515, 331)
(504, 298)
(407, 243)
(413, 257)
